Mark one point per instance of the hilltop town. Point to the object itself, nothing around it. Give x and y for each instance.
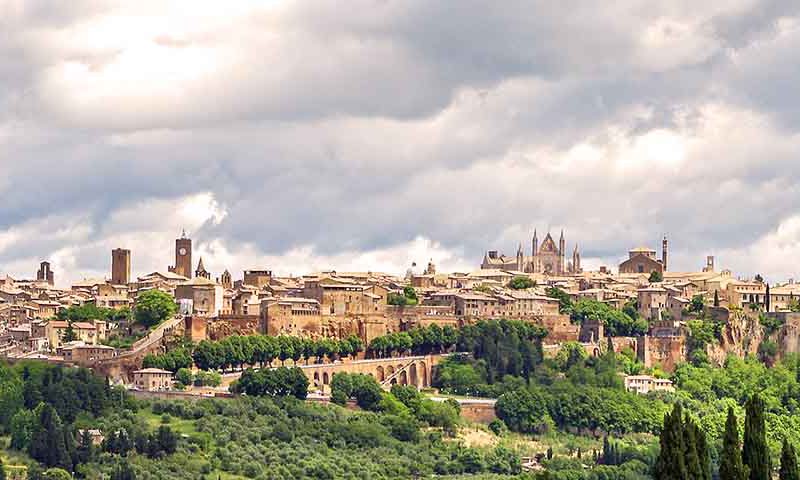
(640, 307)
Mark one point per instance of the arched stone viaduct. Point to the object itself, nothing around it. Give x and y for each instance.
(414, 371)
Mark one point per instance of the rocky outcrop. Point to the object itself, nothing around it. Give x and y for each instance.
(741, 335)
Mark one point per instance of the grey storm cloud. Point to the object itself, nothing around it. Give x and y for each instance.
(467, 123)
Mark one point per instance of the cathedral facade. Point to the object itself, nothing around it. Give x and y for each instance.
(548, 258)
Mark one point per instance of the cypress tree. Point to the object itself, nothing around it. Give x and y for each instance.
(788, 469)
(730, 461)
(670, 464)
(755, 453)
(703, 453)
(693, 469)
(47, 441)
(716, 298)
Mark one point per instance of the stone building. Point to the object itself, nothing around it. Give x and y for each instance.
(292, 316)
(205, 295)
(152, 379)
(257, 278)
(341, 297)
(644, 384)
(53, 331)
(86, 354)
(641, 260)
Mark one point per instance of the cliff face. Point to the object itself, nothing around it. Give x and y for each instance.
(787, 337)
(741, 336)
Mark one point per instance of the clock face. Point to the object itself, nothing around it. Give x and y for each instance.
(182, 251)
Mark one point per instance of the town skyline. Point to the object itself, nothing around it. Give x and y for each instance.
(416, 258)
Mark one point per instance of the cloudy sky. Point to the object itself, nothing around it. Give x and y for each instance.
(303, 135)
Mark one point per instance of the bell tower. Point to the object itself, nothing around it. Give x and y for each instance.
(183, 256)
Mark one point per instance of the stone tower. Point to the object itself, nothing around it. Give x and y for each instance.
(120, 266)
(520, 259)
(562, 251)
(664, 250)
(44, 274)
(183, 256)
(225, 279)
(576, 260)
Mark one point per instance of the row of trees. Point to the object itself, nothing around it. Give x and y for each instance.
(417, 341)
(509, 347)
(237, 351)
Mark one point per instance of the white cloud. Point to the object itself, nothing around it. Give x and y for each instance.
(297, 136)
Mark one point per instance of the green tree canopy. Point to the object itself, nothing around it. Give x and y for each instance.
(153, 307)
(617, 323)
(564, 300)
(656, 277)
(520, 282)
(522, 410)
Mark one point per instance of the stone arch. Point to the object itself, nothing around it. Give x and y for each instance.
(389, 371)
(412, 375)
(316, 379)
(379, 374)
(423, 372)
(324, 378)
(596, 352)
(403, 378)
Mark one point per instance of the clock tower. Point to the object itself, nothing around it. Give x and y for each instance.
(183, 256)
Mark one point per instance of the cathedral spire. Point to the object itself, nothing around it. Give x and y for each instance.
(201, 270)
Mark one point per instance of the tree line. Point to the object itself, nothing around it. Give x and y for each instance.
(416, 341)
(236, 351)
(508, 346)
